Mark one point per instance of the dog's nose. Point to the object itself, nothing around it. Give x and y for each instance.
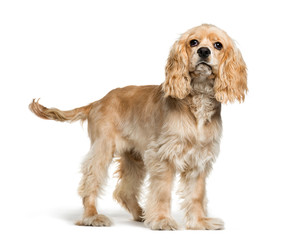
(203, 52)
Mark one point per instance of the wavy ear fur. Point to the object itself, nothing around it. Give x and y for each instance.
(231, 81)
(177, 82)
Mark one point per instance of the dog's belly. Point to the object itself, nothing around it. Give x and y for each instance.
(137, 140)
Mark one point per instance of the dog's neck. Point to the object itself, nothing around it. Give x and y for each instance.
(203, 102)
(202, 85)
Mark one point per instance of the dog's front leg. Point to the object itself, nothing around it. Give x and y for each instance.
(193, 193)
(157, 209)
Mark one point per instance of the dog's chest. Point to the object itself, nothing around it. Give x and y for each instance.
(189, 140)
(202, 146)
(204, 109)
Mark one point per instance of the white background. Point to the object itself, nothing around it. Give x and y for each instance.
(71, 53)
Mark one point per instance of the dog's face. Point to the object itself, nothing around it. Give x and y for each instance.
(206, 51)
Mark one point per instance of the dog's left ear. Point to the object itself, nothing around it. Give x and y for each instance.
(231, 80)
(177, 82)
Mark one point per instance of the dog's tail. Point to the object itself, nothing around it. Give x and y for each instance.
(58, 115)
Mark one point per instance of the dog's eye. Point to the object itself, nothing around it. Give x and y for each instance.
(218, 45)
(194, 43)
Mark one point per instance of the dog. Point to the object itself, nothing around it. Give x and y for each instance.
(161, 130)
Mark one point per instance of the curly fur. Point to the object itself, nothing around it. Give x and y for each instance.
(159, 131)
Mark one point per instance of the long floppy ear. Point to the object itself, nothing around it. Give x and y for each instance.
(177, 82)
(231, 81)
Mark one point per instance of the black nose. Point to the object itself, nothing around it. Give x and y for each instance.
(203, 52)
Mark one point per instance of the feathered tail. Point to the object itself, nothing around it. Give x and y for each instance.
(58, 115)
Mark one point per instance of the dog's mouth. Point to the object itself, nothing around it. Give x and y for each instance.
(203, 69)
(205, 64)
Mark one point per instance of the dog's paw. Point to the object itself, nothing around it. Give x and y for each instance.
(139, 219)
(206, 224)
(138, 215)
(95, 221)
(162, 224)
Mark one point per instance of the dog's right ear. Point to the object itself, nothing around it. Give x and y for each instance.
(177, 82)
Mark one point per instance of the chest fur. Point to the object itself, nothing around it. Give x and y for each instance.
(206, 111)
(190, 137)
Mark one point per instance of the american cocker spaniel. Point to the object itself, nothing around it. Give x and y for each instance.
(161, 130)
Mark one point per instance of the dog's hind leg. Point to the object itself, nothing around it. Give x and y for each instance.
(94, 169)
(131, 174)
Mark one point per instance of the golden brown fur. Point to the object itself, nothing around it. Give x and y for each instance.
(161, 130)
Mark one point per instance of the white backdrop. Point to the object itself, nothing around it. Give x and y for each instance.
(71, 53)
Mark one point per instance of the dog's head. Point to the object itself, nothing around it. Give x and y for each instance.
(208, 51)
